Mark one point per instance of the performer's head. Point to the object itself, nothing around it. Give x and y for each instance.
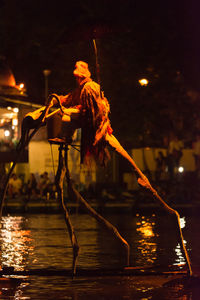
(81, 70)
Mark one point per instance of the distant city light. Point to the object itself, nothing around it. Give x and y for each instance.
(7, 133)
(21, 86)
(181, 169)
(9, 107)
(46, 72)
(143, 82)
(16, 109)
(14, 122)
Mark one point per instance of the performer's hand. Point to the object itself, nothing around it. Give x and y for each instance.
(51, 103)
(66, 118)
(143, 181)
(54, 99)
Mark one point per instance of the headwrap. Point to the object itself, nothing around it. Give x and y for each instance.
(81, 70)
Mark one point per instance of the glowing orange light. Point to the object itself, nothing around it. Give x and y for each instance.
(143, 82)
(147, 242)
(146, 229)
(16, 243)
(21, 86)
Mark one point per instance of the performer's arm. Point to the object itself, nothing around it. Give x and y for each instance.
(71, 113)
(64, 100)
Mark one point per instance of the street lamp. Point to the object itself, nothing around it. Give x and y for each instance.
(144, 82)
(46, 73)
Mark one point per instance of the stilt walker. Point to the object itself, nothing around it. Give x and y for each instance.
(88, 109)
(74, 195)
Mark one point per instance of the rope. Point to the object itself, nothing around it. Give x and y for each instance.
(74, 146)
(53, 161)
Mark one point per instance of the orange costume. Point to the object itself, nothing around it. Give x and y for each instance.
(91, 115)
(87, 107)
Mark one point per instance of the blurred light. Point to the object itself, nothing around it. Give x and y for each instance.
(9, 108)
(16, 243)
(46, 72)
(182, 222)
(21, 86)
(146, 239)
(14, 122)
(143, 82)
(16, 109)
(7, 133)
(146, 229)
(181, 169)
(180, 258)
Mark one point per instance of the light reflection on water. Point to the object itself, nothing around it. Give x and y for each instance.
(180, 258)
(16, 242)
(147, 243)
(41, 241)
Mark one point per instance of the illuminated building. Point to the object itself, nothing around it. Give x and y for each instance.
(38, 157)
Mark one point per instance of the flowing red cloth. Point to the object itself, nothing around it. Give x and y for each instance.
(94, 120)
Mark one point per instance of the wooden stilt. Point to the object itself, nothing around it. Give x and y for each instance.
(60, 175)
(143, 180)
(75, 195)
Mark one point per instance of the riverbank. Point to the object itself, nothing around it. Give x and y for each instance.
(130, 206)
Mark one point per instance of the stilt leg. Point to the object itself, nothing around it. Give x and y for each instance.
(74, 194)
(143, 180)
(59, 184)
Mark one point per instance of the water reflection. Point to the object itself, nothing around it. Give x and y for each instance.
(180, 259)
(16, 242)
(147, 244)
(41, 241)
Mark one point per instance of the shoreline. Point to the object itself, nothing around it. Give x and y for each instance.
(131, 206)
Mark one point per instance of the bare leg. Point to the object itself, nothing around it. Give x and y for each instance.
(59, 184)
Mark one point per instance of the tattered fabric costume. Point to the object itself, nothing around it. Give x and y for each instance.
(92, 116)
(93, 120)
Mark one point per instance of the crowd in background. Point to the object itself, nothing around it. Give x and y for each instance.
(42, 188)
(167, 165)
(170, 162)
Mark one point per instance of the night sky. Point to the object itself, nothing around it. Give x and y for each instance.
(30, 26)
(155, 39)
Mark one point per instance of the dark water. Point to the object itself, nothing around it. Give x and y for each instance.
(42, 242)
